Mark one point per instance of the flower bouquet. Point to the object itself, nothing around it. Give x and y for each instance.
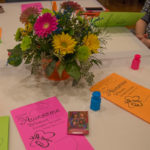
(61, 41)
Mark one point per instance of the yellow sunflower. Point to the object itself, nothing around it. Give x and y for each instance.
(63, 44)
(92, 42)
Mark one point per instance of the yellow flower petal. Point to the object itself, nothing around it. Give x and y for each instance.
(63, 44)
(92, 42)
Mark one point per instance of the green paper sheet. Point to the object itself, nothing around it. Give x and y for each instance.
(4, 129)
(117, 19)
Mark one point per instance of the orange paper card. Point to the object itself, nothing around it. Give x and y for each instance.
(126, 94)
(0, 33)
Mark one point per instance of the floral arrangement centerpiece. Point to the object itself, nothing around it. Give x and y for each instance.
(62, 41)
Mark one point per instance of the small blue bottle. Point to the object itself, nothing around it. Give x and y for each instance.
(95, 101)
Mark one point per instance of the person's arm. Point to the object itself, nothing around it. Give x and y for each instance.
(140, 28)
(146, 42)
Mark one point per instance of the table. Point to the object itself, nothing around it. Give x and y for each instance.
(111, 128)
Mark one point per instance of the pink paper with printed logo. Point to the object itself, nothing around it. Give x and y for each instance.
(43, 125)
(36, 5)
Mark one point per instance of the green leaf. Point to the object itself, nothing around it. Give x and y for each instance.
(14, 60)
(96, 61)
(16, 50)
(71, 32)
(73, 70)
(50, 68)
(61, 69)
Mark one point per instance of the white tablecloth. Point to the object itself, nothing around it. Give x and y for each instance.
(111, 128)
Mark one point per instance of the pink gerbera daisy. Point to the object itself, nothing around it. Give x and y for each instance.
(45, 24)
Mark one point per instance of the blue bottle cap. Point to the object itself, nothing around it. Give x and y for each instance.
(96, 94)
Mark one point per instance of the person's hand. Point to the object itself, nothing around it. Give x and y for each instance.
(140, 36)
(146, 42)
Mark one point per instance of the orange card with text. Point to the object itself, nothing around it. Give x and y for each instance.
(0, 33)
(128, 95)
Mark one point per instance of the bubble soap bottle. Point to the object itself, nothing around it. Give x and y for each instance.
(136, 62)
